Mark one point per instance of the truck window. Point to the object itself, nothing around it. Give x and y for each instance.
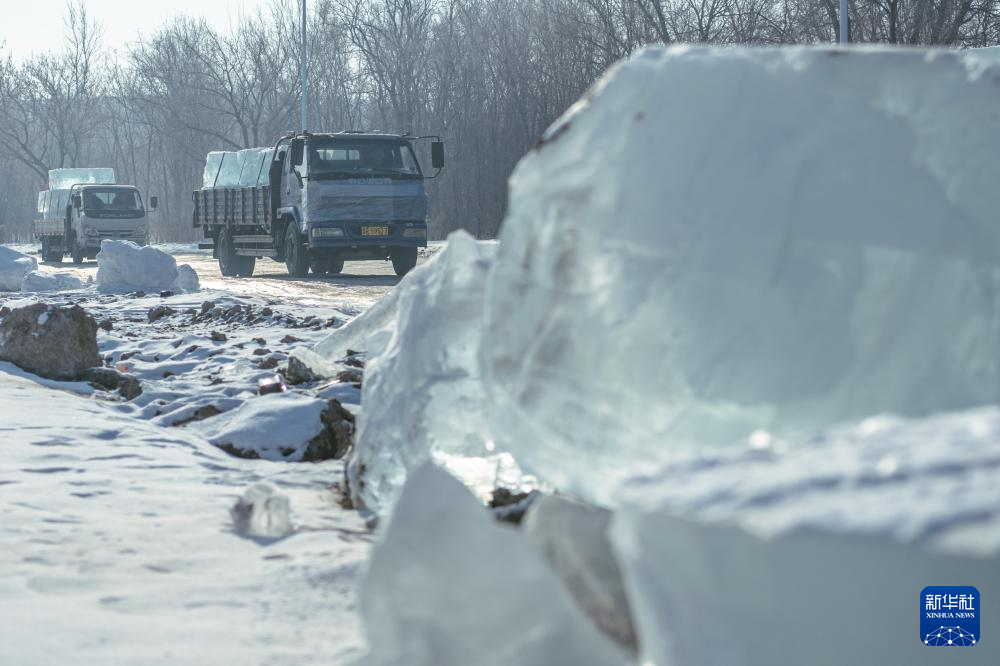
(359, 157)
(116, 199)
(296, 154)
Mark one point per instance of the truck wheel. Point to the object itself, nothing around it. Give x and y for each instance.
(296, 255)
(245, 266)
(77, 253)
(227, 254)
(49, 254)
(327, 266)
(403, 260)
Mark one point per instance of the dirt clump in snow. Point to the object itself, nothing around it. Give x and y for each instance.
(129, 387)
(337, 436)
(200, 414)
(159, 312)
(298, 372)
(52, 341)
(510, 506)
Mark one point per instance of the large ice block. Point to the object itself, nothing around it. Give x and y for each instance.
(422, 380)
(448, 586)
(715, 243)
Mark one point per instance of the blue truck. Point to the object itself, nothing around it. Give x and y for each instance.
(314, 201)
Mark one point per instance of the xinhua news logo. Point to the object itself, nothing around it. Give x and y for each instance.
(949, 616)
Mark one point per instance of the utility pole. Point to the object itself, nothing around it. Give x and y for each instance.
(844, 23)
(305, 72)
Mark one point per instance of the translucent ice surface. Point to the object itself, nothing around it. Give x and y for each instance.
(14, 266)
(448, 586)
(715, 243)
(422, 374)
(63, 179)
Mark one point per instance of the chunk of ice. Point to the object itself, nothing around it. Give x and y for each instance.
(36, 281)
(262, 512)
(719, 241)
(422, 371)
(124, 266)
(14, 266)
(448, 586)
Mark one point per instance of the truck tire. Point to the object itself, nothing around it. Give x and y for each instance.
(245, 266)
(227, 254)
(76, 252)
(296, 254)
(55, 256)
(230, 263)
(403, 260)
(327, 266)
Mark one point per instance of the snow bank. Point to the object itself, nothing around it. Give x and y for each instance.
(447, 586)
(139, 562)
(124, 266)
(37, 281)
(715, 243)
(187, 280)
(422, 373)
(274, 427)
(13, 267)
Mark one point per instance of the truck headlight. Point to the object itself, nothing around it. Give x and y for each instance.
(90, 231)
(414, 233)
(330, 232)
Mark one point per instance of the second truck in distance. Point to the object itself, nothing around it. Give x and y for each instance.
(82, 207)
(314, 201)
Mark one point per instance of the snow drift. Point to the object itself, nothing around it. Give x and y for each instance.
(716, 242)
(13, 267)
(124, 266)
(422, 342)
(37, 281)
(279, 426)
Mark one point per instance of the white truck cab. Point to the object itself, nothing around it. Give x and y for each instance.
(82, 207)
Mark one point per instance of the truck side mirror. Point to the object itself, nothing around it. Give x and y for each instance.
(437, 154)
(77, 201)
(153, 203)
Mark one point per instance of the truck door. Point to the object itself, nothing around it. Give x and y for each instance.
(294, 171)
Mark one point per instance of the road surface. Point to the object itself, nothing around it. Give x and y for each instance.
(360, 285)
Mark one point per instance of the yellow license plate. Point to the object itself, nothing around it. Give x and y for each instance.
(374, 231)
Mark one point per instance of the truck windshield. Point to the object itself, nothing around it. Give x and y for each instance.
(111, 199)
(352, 158)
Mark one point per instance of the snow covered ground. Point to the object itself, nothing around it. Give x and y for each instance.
(116, 540)
(118, 545)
